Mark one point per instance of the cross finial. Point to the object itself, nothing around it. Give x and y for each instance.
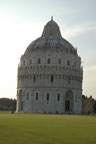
(51, 18)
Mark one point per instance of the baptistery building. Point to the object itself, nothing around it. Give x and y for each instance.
(50, 75)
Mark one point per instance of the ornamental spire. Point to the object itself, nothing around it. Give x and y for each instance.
(51, 18)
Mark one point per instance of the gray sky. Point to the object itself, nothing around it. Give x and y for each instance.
(22, 21)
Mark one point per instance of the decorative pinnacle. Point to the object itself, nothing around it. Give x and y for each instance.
(51, 18)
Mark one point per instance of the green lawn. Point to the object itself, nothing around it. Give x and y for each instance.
(47, 129)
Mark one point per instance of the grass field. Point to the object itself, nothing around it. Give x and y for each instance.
(47, 129)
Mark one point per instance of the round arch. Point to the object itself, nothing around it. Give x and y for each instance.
(69, 101)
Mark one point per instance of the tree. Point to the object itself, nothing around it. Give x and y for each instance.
(7, 104)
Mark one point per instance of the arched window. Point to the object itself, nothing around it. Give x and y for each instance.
(58, 97)
(48, 61)
(47, 96)
(21, 105)
(39, 61)
(52, 78)
(27, 96)
(68, 62)
(34, 78)
(36, 96)
(30, 61)
(59, 61)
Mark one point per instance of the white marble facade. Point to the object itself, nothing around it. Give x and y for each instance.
(50, 75)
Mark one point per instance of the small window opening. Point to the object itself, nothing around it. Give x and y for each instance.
(27, 96)
(47, 96)
(30, 61)
(48, 61)
(39, 61)
(69, 79)
(36, 96)
(52, 78)
(59, 61)
(34, 78)
(68, 62)
(58, 97)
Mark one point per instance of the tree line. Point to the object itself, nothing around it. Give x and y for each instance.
(88, 104)
(7, 104)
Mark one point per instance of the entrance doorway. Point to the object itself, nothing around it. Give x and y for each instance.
(67, 105)
(69, 102)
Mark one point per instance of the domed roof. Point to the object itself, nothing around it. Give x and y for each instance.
(52, 22)
(50, 39)
(51, 29)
